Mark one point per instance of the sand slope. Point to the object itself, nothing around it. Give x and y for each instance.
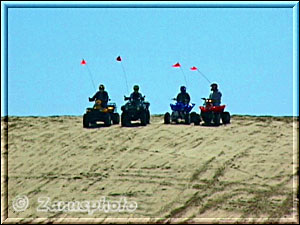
(242, 170)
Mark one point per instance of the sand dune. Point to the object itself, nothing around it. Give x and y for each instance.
(193, 173)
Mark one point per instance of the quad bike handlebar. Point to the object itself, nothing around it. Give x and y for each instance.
(129, 98)
(185, 102)
(208, 100)
(91, 99)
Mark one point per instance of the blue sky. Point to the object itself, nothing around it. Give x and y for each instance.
(247, 51)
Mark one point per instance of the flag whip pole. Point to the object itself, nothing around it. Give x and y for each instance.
(204, 76)
(124, 72)
(83, 62)
(178, 65)
(91, 76)
(184, 76)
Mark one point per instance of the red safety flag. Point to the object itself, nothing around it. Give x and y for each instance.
(194, 68)
(119, 58)
(83, 62)
(177, 65)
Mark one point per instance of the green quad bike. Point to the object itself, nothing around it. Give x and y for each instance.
(108, 115)
(135, 110)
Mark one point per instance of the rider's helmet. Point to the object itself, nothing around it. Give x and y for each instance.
(183, 89)
(136, 88)
(101, 87)
(214, 86)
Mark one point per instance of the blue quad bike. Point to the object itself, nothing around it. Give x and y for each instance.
(181, 111)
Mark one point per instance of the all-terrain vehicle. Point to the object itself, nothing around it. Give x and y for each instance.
(181, 111)
(135, 110)
(212, 114)
(107, 114)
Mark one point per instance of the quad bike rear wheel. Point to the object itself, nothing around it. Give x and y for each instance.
(107, 121)
(187, 119)
(167, 118)
(115, 118)
(207, 117)
(225, 118)
(125, 120)
(143, 118)
(85, 121)
(195, 118)
(148, 117)
(174, 117)
(216, 118)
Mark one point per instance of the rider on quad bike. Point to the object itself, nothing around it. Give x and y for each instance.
(135, 109)
(136, 96)
(215, 95)
(183, 96)
(101, 95)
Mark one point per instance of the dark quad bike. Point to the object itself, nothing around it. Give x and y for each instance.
(212, 114)
(108, 115)
(135, 110)
(181, 111)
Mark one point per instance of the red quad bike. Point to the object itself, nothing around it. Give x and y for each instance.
(210, 113)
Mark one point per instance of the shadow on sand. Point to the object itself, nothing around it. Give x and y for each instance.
(213, 125)
(137, 124)
(101, 125)
(98, 125)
